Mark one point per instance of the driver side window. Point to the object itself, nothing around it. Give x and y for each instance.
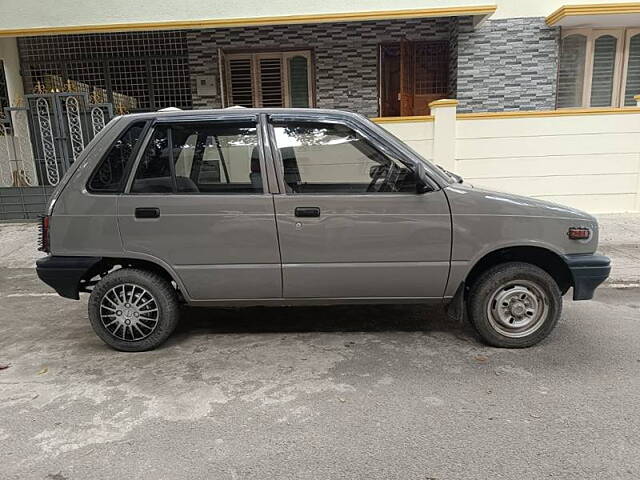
(333, 158)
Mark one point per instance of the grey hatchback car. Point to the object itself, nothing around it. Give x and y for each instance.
(241, 207)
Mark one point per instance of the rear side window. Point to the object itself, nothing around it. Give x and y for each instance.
(201, 158)
(109, 176)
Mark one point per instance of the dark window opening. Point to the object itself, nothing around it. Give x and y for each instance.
(4, 93)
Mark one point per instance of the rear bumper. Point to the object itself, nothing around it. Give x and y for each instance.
(63, 274)
(587, 271)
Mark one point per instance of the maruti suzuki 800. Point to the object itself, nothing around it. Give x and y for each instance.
(241, 207)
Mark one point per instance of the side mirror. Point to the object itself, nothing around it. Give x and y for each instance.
(422, 185)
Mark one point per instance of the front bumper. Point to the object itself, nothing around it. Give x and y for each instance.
(587, 272)
(63, 274)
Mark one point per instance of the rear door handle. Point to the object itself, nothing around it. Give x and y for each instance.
(147, 212)
(307, 212)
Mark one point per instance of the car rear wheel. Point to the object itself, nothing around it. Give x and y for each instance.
(514, 305)
(133, 310)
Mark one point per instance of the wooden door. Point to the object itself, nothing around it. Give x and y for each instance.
(412, 74)
(407, 75)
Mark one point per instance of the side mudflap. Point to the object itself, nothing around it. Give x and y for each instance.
(455, 308)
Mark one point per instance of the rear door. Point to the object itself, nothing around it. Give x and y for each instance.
(199, 201)
(351, 223)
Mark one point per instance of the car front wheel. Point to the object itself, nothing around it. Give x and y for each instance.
(514, 305)
(133, 310)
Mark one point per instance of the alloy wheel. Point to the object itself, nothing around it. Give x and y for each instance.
(129, 312)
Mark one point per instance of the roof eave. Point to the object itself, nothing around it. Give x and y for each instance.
(480, 12)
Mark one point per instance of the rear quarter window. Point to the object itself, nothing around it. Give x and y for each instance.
(109, 176)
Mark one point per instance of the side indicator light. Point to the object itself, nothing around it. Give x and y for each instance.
(579, 233)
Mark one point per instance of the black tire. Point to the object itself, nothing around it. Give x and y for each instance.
(498, 297)
(156, 330)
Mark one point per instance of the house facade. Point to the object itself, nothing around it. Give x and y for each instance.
(386, 60)
(372, 57)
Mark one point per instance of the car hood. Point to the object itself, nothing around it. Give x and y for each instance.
(467, 199)
(484, 220)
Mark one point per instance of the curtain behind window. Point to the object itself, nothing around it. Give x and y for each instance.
(604, 63)
(633, 72)
(571, 72)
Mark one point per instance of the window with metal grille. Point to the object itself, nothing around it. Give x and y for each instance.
(412, 74)
(136, 71)
(268, 79)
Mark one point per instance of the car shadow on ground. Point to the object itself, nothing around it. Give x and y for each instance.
(352, 318)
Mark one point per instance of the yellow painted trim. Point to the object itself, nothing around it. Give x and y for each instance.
(518, 114)
(591, 9)
(445, 102)
(418, 118)
(547, 113)
(483, 10)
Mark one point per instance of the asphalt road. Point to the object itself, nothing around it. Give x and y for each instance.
(300, 393)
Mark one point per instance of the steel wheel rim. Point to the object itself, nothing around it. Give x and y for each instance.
(129, 312)
(518, 308)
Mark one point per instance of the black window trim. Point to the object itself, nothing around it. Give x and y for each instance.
(369, 136)
(132, 158)
(172, 120)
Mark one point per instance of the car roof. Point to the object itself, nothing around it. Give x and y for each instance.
(241, 112)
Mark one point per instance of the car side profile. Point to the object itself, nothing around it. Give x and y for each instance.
(240, 207)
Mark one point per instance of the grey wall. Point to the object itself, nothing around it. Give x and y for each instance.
(507, 64)
(346, 55)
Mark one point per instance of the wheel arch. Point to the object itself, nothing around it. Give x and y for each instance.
(108, 264)
(544, 258)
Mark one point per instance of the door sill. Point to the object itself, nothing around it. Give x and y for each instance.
(284, 302)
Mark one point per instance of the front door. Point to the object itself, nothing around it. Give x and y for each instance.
(198, 201)
(412, 74)
(350, 222)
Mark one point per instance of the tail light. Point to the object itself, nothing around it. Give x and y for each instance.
(579, 233)
(43, 240)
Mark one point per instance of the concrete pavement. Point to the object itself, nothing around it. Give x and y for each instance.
(620, 240)
(308, 393)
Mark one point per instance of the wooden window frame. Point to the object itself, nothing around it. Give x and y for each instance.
(622, 36)
(629, 34)
(255, 57)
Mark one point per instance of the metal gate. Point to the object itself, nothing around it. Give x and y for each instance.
(39, 141)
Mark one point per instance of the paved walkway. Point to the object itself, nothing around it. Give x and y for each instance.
(619, 239)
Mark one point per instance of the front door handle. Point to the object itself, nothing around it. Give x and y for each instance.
(307, 212)
(147, 212)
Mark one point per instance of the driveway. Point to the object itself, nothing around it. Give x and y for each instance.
(300, 393)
